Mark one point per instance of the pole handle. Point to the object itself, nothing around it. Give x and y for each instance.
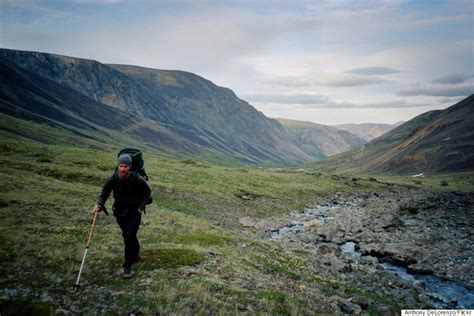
(104, 209)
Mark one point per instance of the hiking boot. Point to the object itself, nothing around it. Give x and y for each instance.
(127, 273)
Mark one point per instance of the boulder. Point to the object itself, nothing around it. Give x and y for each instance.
(327, 248)
(362, 301)
(410, 208)
(390, 220)
(247, 221)
(420, 268)
(312, 223)
(400, 253)
(369, 260)
(348, 307)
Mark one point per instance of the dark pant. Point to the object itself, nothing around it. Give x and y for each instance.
(129, 224)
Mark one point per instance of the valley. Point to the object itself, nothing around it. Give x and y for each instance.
(251, 215)
(210, 241)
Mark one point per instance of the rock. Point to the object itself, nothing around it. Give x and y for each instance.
(408, 208)
(247, 221)
(337, 266)
(420, 268)
(348, 307)
(390, 220)
(347, 257)
(312, 223)
(335, 308)
(270, 224)
(362, 301)
(328, 248)
(399, 253)
(246, 197)
(369, 260)
(385, 310)
(321, 238)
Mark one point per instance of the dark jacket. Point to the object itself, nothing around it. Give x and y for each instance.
(132, 193)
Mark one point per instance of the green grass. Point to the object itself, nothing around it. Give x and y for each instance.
(195, 262)
(17, 307)
(463, 182)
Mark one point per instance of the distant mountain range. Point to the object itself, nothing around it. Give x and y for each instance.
(438, 141)
(62, 100)
(319, 140)
(368, 131)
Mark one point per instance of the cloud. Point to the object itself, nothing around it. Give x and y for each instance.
(32, 6)
(353, 81)
(452, 78)
(290, 98)
(439, 90)
(373, 71)
(286, 81)
(268, 46)
(309, 100)
(330, 80)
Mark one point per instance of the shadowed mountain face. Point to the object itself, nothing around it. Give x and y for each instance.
(368, 131)
(319, 140)
(41, 102)
(434, 142)
(181, 105)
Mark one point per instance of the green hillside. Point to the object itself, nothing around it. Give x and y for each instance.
(191, 264)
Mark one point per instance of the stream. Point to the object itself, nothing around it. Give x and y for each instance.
(442, 293)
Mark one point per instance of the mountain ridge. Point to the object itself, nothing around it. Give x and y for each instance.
(320, 140)
(202, 113)
(368, 131)
(438, 141)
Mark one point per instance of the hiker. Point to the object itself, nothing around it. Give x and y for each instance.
(131, 194)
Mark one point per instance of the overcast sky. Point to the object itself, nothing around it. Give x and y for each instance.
(328, 62)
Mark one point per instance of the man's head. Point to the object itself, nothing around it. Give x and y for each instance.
(124, 163)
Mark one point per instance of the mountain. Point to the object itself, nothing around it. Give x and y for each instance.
(319, 140)
(438, 141)
(40, 109)
(177, 110)
(368, 131)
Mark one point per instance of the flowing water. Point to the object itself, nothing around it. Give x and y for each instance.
(443, 293)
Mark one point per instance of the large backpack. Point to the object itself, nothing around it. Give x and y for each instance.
(138, 164)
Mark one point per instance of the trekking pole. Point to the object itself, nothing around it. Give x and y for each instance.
(87, 246)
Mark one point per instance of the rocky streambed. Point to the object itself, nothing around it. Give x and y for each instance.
(417, 250)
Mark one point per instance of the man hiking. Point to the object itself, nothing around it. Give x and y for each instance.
(131, 194)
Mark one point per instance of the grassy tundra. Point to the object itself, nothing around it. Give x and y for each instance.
(196, 260)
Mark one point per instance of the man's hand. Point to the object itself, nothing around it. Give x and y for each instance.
(96, 209)
(140, 211)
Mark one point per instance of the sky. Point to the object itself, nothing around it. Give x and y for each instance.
(324, 61)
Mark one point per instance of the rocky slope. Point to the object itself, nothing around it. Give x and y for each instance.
(368, 131)
(26, 97)
(319, 140)
(415, 247)
(440, 141)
